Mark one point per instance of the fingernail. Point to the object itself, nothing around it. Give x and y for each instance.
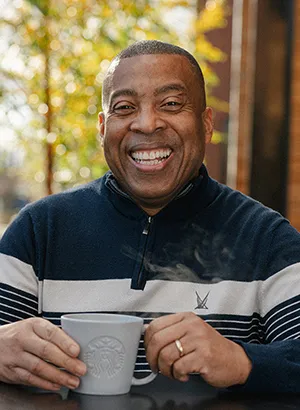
(72, 384)
(80, 369)
(73, 349)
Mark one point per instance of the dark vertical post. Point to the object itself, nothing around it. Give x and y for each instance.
(271, 104)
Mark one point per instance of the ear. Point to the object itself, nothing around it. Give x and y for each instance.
(101, 120)
(208, 126)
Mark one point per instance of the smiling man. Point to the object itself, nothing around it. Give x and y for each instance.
(154, 126)
(214, 273)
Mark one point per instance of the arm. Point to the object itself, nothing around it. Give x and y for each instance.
(30, 347)
(273, 365)
(276, 363)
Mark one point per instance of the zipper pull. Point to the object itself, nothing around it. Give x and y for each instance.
(146, 229)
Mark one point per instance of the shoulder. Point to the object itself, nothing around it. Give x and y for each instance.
(71, 199)
(241, 208)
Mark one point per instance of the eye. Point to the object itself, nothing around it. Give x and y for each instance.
(123, 109)
(171, 105)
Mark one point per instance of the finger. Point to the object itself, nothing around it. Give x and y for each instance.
(170, 354)
(50, 352)
(29, 379)
(161, 340)
(33, 366)
(52, 333)
(161, 323)
(186, 365)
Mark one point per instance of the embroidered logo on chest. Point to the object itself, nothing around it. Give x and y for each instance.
(201, 303)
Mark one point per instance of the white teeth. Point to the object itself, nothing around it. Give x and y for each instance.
(151, 157)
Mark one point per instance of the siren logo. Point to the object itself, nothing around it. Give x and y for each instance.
(104, 356)
(201, 303)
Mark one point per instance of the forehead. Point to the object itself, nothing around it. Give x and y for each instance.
(152, 71)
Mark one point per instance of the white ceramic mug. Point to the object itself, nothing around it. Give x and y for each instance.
(108, 346)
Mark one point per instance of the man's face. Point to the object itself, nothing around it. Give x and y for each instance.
(154, 129)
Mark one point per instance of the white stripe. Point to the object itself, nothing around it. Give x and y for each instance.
(18, 274)
(4, 320)
(226, 297)
(9, 308)
(243, 298)
(276, 330)
(278, 311)
(40, 297)
(20, 296)
(232, 321)
(285, 331)
(280, 287)
(236, 328)
(158, 296)
(293, 336)
(142, 371)
(10, 314)
(282, 317)
(16, 301)
(240, 336)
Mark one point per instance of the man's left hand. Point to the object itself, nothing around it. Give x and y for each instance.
(220, 362)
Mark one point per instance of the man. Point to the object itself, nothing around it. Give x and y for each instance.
(216, 270)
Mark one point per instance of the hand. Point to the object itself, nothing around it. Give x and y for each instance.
(220, 362)
(31, 349)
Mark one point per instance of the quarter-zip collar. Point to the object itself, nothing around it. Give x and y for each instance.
(193, 198)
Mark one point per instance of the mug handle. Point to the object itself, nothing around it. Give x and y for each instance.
(144, 380)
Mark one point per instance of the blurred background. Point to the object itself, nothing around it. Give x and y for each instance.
(53, 56)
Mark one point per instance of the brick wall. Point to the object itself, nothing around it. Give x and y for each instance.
(293, 191)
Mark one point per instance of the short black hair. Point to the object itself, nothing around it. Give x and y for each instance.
(146, 47)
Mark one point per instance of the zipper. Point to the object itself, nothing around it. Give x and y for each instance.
(147, 227)
(145, 232)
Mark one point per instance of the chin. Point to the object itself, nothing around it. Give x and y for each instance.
(156, 200)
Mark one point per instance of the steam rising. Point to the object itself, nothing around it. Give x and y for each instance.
(199, 257)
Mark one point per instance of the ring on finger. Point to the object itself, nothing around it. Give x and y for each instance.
(179, 347)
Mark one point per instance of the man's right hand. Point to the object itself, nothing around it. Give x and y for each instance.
(31, 349)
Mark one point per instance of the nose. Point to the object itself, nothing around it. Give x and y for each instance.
(147, 121)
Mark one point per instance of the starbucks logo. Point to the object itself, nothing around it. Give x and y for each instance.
(104, 356)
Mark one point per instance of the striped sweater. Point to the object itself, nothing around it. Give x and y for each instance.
(212, 250)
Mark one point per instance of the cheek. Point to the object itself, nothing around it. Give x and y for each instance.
(115, 131)
(114, 143)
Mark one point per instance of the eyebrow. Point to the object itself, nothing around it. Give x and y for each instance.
(161, 90)
(125, 91)
(169, 87)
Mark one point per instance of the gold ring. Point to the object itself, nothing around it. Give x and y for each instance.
(179, 347)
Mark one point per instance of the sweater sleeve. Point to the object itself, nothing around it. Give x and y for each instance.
(18, 280)
(275, 367)
(276, 362)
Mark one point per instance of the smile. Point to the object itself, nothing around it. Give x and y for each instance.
(152, 157)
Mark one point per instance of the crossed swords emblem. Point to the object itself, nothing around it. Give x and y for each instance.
(201, 303)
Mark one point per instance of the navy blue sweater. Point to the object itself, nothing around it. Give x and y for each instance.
(212, 250)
